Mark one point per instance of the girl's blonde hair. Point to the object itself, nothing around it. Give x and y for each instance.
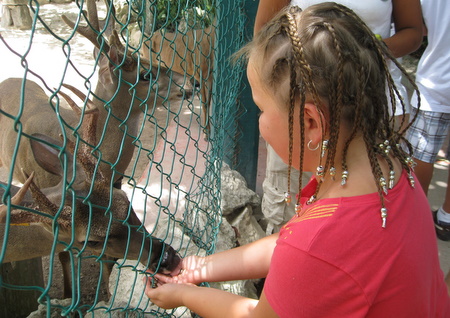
(328, 54)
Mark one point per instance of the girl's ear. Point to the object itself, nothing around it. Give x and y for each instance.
(314, 123)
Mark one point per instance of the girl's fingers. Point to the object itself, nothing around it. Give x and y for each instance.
(164, 278)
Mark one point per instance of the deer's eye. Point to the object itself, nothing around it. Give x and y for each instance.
(92, 244)
(145, 76)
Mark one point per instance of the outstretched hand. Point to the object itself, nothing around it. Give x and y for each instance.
(191, 270)
(166, 291)
(167, 296)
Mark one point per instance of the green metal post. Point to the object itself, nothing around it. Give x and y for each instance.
(241, 115)
(247, 163)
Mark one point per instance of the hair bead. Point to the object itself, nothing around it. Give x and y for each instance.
(391, 179)
(383, 185)
(324, 148)
(383, 217)
(287, 197)
(344, 177)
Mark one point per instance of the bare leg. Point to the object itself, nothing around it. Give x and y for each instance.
(447, 281)
(446, 204)
(424, 173)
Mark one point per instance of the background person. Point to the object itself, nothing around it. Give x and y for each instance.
(428, 133)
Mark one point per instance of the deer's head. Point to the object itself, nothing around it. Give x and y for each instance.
(84, 211)
(122, 66)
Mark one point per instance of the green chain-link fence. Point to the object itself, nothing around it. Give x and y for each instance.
(163, 118)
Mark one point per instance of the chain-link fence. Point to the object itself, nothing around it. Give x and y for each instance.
(123, 148)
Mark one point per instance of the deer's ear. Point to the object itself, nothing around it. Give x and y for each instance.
(45, 155)
(107, 66)
(105, 72)
(114, 54)
(48, 157)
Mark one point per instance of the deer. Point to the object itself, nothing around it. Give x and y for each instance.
(125, 81)
(123, 86)
(190, 53)
(89, 214)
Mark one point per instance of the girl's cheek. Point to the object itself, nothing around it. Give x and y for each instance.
(263, 126)
(264, 131)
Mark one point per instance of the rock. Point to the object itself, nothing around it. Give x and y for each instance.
(15, 2)
(55, 312)
(16, 16)
(126, 284)
(247, 228)
(235, 193)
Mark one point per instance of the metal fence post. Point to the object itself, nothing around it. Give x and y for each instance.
(241, 150)
(247, 163)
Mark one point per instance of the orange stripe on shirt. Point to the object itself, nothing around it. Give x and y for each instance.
(319, 211)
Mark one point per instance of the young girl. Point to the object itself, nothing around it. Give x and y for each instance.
(405, 16)
(362, 243)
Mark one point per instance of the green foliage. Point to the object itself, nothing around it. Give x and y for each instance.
(168, 14)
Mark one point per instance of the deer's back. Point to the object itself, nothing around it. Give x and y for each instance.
(34, 115)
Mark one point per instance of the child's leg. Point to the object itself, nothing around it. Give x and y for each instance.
(446, 204)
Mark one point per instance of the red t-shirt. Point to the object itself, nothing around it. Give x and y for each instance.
(335, 259)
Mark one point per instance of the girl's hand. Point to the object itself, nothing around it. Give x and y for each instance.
(167, 296)
(192, 270)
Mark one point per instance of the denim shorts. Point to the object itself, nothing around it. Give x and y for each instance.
(427, 134)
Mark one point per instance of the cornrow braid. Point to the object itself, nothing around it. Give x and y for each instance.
(381, 50)
(384, 51)
(297, 61)
(412, 82)
(306, 79)
(390, 135)
(291, 124)
(306, 72)
(335, 103)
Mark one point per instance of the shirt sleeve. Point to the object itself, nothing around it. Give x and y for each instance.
(301, 285)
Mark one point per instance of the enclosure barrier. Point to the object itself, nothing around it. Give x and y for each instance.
(126, 147)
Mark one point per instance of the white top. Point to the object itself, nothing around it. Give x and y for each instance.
(433, 71)
(377, 14)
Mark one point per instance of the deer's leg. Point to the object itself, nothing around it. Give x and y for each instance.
(205, 99)
(106, 272)
(64, 258)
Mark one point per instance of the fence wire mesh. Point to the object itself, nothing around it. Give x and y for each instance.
(153, 113)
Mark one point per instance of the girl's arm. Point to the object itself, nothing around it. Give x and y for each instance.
(267, 9)
(209, 302)
(407, 17)
(250, 261)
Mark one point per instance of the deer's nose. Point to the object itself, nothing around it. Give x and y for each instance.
(170, 260)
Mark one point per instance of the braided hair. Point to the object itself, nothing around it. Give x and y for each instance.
(327, 53)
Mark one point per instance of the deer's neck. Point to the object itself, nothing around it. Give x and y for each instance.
(119, 118)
